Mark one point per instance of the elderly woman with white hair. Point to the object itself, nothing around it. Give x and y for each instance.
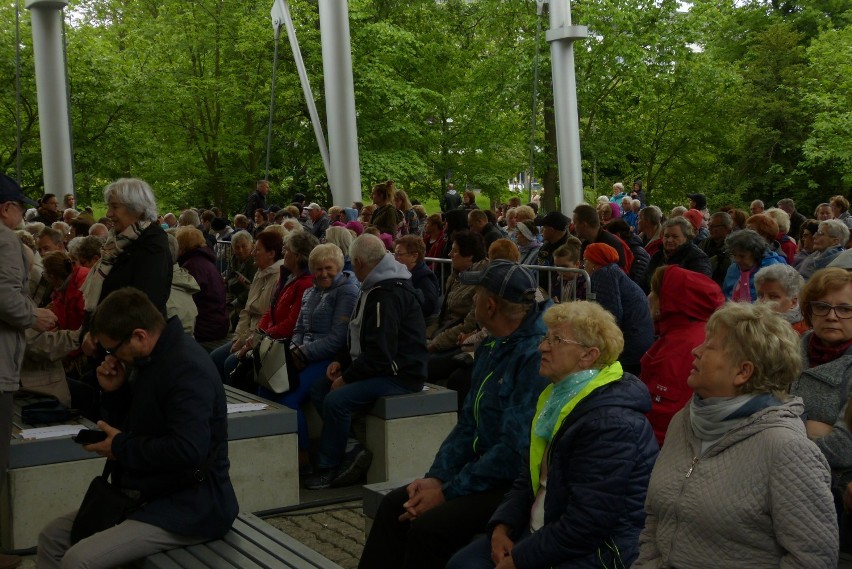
(136, 253)
(738, 484)
(579, 502)
(240, 273)
(341, 237)
(779, 285)
(829, 242)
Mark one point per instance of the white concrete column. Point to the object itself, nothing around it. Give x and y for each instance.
(54, 124)
(345, 174)
(561, 37)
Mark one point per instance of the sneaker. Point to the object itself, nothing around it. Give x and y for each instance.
(321, 480)
(354, 468)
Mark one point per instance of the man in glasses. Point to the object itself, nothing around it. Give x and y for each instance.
(423, 524)
(17, 313)
(166, 425)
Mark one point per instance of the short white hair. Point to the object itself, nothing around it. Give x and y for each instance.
(136, 195)
(368, 249)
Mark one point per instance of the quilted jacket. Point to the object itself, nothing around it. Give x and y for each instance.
(324, 318)
(456, 315)
(759, 497)
(824, 389)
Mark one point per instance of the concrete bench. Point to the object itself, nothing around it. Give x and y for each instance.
(373, 496)
(48, 477)
(404, 432)
(251, 543)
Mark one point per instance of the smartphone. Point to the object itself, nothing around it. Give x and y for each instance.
(89, 437)
(248, 280)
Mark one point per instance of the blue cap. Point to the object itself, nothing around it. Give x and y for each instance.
(10, 191)
(505, 279)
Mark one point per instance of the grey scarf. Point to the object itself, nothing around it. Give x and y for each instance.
(713, 417)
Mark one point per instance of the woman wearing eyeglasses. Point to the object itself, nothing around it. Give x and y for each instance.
(580, 501)
(825, 384)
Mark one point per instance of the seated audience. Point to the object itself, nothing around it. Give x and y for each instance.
(749, 253)
(580, 501)
(268, 254)
(211, 324)
(240, 272)
(824, 384)
(737, 483)
(295, 278)
(779, 285)
(66, 278)
(411, 252)
(681, 302)
(423, 524)
(341, 237)
(320, 332)
(829, 241)
(456, 315)
(387, 356)
(184, 285)
(526, 237)
(624, 299)
(678, 249)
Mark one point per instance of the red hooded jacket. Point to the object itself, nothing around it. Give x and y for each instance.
(687, 300)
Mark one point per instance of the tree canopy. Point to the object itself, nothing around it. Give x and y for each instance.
(738, 100)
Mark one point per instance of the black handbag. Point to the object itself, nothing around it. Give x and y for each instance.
(105, 505)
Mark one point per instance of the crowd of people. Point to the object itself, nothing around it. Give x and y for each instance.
(634, 388)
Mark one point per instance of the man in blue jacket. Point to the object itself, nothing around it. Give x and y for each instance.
(387, 356)
(165, 418)
(421, 525)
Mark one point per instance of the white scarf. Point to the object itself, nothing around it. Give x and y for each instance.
(115, 244)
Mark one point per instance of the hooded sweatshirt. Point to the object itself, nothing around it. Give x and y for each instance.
(387, 333)
(687, 300)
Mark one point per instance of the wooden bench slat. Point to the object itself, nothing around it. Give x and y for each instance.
(255, 552)
(159, 561)
(236, 556)
(208, 557)
(264, 535)
(184, 559)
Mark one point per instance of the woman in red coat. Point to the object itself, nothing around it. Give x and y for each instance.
(66, 301)
(681, 303)
(280, 320)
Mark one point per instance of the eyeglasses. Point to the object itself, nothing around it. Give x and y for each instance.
(401, 253)
(842, 311)
(114, 349)
(554, 339)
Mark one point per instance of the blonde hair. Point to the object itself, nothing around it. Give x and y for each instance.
(523, 212)
(325, 252)
(754, 333)
(592, 326)
(189, 239)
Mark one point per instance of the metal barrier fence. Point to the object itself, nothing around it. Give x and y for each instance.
(224, 256)
(443, 268)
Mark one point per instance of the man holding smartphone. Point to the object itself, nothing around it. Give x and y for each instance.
(165, 420)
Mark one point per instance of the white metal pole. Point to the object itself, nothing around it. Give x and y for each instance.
(54, 126)
(561, 37)
(345, 174)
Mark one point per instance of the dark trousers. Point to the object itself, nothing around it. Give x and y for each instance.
(6, 410)
(429, 541)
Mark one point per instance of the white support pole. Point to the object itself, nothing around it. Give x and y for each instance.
(345, 174)
(561, 37)
(54, 126)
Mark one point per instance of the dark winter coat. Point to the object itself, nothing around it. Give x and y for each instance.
(212, 320)
(173, 416)
(688, 256)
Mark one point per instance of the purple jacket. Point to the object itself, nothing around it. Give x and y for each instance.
(212, 321)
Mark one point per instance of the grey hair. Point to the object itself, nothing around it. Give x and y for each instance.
(683, 223)
(368, 249)
(652, 214)
(780, 217)
(341, 237)
(787, 202)
(747, 240)
(85, 248)
(134, 194)
(188, 218)
(618, 185)
(724, 217)
(758, 202)
(241, 235)
(836, 229)
(678, 211)
(785, 275)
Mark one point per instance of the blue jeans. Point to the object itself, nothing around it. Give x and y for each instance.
(295, 398)
(225, 361)
(336, 408)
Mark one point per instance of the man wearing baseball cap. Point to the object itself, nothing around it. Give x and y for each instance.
(17, 313)
(319, 220)
(420, 526)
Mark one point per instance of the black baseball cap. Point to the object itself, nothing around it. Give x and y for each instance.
(505, 279)
(10, 191)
